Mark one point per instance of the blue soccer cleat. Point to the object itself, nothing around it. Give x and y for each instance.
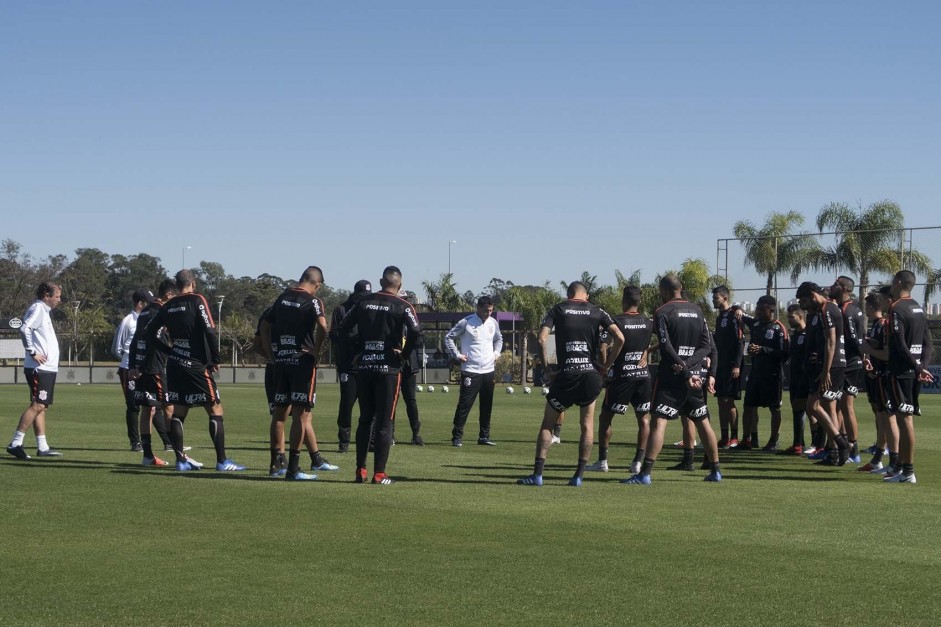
(228, 466)
(185, 466)
(533, 480)
(300, 476)
(575, 482)
(638, 479)
(714, 477)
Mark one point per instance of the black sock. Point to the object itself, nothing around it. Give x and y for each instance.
(908, 469)
(725, 433)
(735, 432)
(688, 456)
(877, 456)
(798, 427)
(217, 433)
(315, 458)
(893, 459)
(275, 457)
(539, 466)
(294, 462)
(160, 424)
(715, 466)
(841, 442)
(557, 430)
(647, 466)
(603, 453)
(145, 440)
(176, 437)
(754, 438)
(639, 455)
(580, 469)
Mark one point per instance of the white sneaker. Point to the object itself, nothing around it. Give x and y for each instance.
(556, 440)
(882, 471)
(635, 468)
(193, 462)
(901, 478)
(679, 444)
(599, 466)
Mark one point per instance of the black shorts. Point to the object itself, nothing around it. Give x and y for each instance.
(295, 385)
(622, 393)
(574, 388)
(269, 386)
(876, 392)
(903, 395)
(763, 391)
(835, 392)
(41, 385)
(854, 381)
(127, 386)
(726, 386)
(149, 390)
(190, 387)
(673, 398)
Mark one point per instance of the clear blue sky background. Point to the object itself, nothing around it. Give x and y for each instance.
(547, 138)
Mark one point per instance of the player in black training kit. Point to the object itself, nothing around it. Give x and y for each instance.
(797, 373)
(191, 361)
(826, 363)
(876, 364)
(381, 320)
(684, 344)
(854, 380)
(730, 342)
(629, 385)
(577, 380)
(909, 356)
(295, 329)
(345, 354)
(768, 346)
(149, 376)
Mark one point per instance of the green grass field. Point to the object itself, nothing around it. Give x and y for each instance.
(95, 538)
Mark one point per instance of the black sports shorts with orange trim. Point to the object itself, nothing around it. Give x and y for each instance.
(295, 385)
(574, 388)
(149, 390)
(190, 387)
(41, 385)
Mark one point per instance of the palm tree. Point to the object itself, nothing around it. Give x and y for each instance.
(531, 302)
(867, 240)
(443, 295)
(932, 284)
(774, 247)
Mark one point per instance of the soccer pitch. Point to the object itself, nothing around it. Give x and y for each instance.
(94, 538)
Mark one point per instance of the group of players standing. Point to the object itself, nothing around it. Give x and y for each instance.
(831, 358)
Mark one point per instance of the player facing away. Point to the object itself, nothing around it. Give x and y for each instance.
(192, 359)
(578, 380)
(876, 365)
(854, 328)
(629, 383)
(730, 343)
(684, 343)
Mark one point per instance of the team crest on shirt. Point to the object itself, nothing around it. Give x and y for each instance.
(769, 334)
(725, 323)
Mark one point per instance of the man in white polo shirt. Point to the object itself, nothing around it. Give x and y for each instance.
(481, 341)
(41, 366)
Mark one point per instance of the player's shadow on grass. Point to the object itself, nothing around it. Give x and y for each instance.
(57, 463)
(493, 479)
(192, 474)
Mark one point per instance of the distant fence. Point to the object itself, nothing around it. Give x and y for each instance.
(917, 249)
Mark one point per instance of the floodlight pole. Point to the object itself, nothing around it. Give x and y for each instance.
(453, 241)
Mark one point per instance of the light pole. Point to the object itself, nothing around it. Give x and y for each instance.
(75, 304)
(185, 248)
(453, 241)
(219, 325)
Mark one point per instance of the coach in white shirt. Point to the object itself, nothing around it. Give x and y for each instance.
(41, 365)
(480, 343)
(121, 348)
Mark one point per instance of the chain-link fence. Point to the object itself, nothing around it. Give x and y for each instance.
(754, 266)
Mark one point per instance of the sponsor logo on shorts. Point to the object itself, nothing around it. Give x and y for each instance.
(344, 378)
(555, 404)
(906, 408)
(195, 399)
(852, 390)
(700, 412)
(619, 408)
(833, 395)
(666, 410)
(280, 399)
(172, 396)
(645, 407)
(299, 397)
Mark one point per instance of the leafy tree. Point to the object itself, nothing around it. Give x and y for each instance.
(774, 247)
(868, 240)
(443, 295)
(531, 302)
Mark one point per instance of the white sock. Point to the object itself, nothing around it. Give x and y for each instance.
(41, 443)
(18, 438)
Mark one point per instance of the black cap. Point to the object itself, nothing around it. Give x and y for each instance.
(143, 295)
(362, 287)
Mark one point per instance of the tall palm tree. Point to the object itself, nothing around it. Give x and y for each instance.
(868, 240)
(531, 302)
(774, 247)
(443, 295)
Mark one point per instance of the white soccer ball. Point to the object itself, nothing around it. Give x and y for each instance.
(545, 391)
(509, 390)
(444, 389)
(420, 388)
(78, 383)
(527, 390)
(431, 388)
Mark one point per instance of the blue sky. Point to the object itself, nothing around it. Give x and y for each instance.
(547, 138)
